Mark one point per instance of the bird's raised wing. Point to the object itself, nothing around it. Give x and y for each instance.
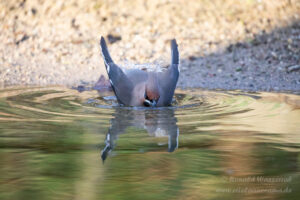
(168, 79)
(120, 83)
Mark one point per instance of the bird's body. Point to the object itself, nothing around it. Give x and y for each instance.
(137, 87)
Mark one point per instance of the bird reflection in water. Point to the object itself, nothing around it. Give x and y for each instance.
(157, 122)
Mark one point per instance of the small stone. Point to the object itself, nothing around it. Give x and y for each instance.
(33, 11)
(292, 68)
(274, 54)
(25, 37)
(192, 58)
(113, 38)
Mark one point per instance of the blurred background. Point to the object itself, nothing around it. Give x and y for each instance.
(231, 44)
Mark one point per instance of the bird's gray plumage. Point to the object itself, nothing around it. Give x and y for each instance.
(132, 86)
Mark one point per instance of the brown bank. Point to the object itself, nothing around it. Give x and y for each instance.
(250, 45)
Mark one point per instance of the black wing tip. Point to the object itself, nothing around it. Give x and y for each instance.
(104, 50)
(102, 42)
(175, 53)
(173, 43)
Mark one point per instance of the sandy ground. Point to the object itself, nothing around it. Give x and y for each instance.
(250, 45)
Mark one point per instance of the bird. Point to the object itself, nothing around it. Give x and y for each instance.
(140, 88)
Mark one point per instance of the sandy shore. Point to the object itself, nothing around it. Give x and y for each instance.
(250, 45)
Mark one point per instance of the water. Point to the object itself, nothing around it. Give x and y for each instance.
(57, 143)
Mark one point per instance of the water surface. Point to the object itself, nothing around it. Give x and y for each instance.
(58, 143)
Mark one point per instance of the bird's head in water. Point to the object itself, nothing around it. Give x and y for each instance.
(151, 95)
(151, 98)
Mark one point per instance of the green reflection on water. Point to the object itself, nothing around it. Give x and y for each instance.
(224, 146)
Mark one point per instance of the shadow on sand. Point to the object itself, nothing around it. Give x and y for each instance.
(260, 63)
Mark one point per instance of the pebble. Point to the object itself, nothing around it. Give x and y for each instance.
(293, 68)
